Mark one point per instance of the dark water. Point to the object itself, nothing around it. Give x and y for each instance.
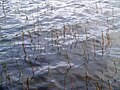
(60, 45)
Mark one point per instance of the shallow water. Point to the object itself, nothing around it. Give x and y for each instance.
(58, 45)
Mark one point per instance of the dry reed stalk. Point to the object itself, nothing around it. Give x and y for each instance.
(102, 44)
(30, 35)
(23, 45)
(108, 45)
(65, 30)
(27, 84)
(97, 11)
(7, 77)
(33, 72)
(17, 40)
(73, 84)
(85, 52)
(68, 69)
(116, 70)
(65, 76)
(3, 7)
(18, 69)
(49, 71)
(108, 36)
(65, 81)
(109, 86)
(94, 48)
(57, 41)
(97, 86)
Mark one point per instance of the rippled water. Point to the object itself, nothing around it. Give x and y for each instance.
(59, 44)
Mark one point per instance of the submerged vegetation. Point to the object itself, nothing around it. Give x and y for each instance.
(73, 56)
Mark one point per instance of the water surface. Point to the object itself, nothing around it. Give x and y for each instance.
(58, 45)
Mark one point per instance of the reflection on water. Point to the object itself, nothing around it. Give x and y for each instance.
(59, 45)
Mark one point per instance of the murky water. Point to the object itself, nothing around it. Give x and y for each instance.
(60, 44)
